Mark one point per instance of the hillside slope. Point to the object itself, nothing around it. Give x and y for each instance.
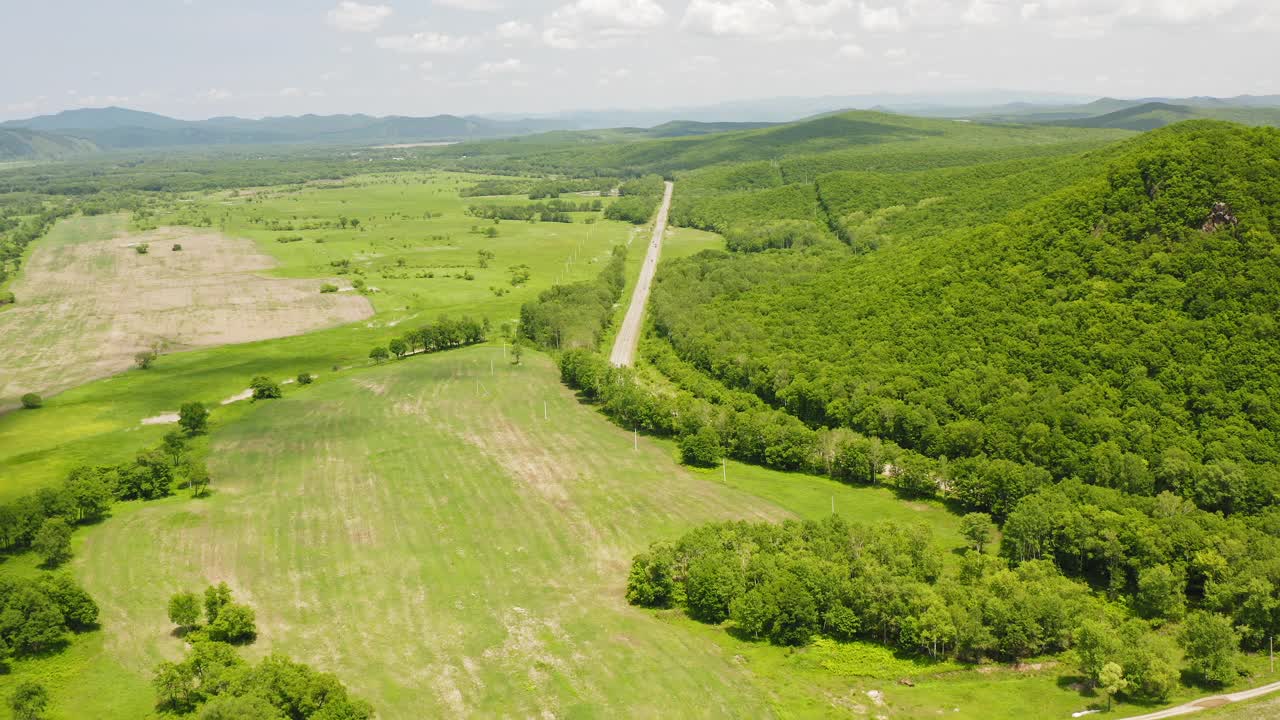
(1121, 330)
(23, 144)
(1153, 115)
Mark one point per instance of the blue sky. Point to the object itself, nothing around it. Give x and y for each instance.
(201, 58)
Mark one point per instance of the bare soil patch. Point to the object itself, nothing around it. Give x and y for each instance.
(86, 308)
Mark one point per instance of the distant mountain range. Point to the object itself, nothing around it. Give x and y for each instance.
(77, 132)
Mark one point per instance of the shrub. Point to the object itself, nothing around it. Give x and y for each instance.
(328, 288)
(7, 298)
(141, 248)
(305, 378)
(177, 247)
(701, 449)
(31, 401)
(264, 388)
(144, 359)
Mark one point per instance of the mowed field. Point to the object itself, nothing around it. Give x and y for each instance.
(89, 302)
(395, 244)
(424, 531)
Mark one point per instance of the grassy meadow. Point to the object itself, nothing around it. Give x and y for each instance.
(450, 534)
(100, 422)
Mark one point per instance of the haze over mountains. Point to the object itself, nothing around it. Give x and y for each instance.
(81, 131)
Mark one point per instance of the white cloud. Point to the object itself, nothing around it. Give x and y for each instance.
(896, 54)
(214, 95)
(476, 5)
(599, 22)
(877, 19)
(514, 30)
(732, 17)
(422, 42)
(851, 50)
(290, 92)
(983, 12)
(1094, 18)
(351, 16)
(808, 12)
(778, 19)
(503, 67)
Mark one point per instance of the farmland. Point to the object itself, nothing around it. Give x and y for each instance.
(503, 524)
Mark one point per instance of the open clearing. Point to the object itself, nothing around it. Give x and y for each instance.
(416, 244)
(88, 302)
(421, 530)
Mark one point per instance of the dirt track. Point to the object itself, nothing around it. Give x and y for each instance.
(624, 346)
(1208, 702)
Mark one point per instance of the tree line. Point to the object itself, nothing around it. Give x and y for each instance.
(444, 334)
(576, 315)
(551, 211)
(887, 584)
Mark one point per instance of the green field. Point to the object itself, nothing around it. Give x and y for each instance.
(449, 534)
(99, 422)
(420, 529)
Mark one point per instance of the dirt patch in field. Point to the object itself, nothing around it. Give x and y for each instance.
(85, 309)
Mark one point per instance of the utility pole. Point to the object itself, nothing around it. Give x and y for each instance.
(833, 504)
(635, 439)
(724, 470)
(544, 410)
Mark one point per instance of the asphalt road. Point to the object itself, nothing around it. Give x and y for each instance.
(624, 346)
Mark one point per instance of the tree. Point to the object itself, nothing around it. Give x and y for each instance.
(264, 388)
(379, 354)
(1161, 593)
(28, 701)
(517, 352)
(90, 493)
(397, 347)
(234, 624)
(31, 401)
(175, 446)
(144, 359)
(193, 417)
(197, 477)
(702, 448)
(1212, 647)
(651, 582)
(1111, 681)
(484, 256)
(239, 707)
(977, 528)
(216, 597)
(1095, 644)
(305, 378)
(175, 686)
(184, 609)
(53, 541)
(79, 611)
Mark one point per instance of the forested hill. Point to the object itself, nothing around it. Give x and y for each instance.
(799, 149)
(23, 144)
(1122, 330)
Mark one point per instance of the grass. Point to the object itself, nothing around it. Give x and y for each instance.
(421, 530)
(99, 422)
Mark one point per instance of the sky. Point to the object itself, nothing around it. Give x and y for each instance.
(202, 58)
